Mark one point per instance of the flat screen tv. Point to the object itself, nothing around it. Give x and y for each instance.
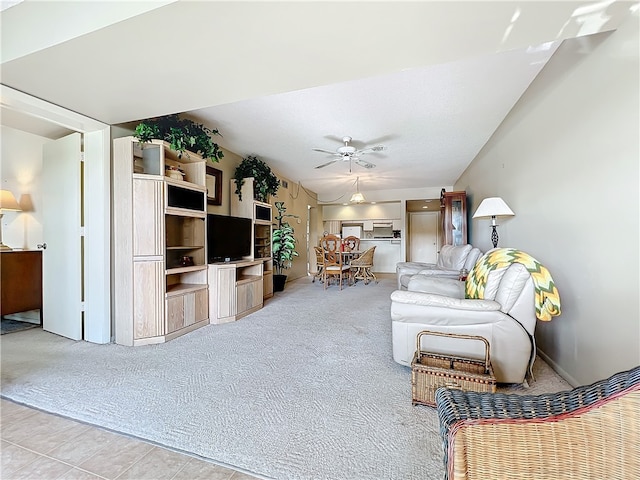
(228, 238)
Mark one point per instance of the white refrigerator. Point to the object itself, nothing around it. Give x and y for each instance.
(351, 231)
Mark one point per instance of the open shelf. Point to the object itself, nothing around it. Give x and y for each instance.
(182, 288)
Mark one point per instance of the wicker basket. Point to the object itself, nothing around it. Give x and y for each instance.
(430, 371)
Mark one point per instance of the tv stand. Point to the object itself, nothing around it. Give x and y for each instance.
(235, 289)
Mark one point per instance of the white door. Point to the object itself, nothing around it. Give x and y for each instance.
(61, 259)
(423, 237)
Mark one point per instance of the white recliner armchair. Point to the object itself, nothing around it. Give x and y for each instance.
(451, 260)
(506, 317)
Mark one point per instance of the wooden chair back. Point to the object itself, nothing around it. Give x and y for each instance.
(332, 255)
(351, 243)
(331, 250)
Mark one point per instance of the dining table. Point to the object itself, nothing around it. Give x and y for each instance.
(348, 255)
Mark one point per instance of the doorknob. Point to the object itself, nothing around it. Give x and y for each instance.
(42, 246)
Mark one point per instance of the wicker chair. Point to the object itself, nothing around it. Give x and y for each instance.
(590, 432)
(319, 264)
(361, 267)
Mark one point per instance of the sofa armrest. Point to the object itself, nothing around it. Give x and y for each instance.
(434, 300)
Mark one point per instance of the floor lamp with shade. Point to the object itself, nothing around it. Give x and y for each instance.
(7, 203)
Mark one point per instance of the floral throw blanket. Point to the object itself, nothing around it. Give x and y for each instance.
(547, 298)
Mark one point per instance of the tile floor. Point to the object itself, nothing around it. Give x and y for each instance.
(40, 446)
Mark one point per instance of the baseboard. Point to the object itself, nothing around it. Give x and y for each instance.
(560, 371)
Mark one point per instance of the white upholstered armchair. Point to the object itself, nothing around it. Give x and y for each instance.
(505, 315)
(451, 260)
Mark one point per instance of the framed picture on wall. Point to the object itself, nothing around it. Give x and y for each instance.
(214, 186)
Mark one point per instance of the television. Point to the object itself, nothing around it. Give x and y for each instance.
(228, 238)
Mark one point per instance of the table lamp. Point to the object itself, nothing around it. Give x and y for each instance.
(7, 203)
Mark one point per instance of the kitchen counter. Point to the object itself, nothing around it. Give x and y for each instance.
(387, 253)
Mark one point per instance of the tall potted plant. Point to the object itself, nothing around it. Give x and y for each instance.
(283, 246)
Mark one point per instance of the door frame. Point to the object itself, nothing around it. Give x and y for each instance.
(97, 204)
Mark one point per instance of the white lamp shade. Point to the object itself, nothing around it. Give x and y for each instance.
(357, 198)
(8, 201)
(493, 207)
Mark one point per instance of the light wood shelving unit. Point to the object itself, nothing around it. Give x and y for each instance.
(158, 221)
(261, 215)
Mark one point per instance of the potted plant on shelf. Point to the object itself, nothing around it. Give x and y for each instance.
(283, 247)
(265, 182)
(182, 134)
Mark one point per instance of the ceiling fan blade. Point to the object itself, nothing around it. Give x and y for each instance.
(331, 152)
(326, 164)
(377, 148)
(364, 164)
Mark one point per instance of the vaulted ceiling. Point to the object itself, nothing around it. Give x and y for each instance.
(431, 81)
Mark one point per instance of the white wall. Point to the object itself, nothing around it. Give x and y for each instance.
(566, 161)
(20, 172)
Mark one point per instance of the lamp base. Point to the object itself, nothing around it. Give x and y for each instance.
(5, 248)
(494, 236)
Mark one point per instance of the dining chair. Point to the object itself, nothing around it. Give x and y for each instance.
(361, 267)
(351, 243)
(319, 264)
(333, 265)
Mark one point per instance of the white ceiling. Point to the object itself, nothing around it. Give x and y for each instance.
(429, 80)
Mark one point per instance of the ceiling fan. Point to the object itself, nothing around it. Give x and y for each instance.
(347, 153)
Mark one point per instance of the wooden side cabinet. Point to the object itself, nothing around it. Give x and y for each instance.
(236, 290)
(21, 286)
(453, 210)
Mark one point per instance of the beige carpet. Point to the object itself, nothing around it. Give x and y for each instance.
(304, 389)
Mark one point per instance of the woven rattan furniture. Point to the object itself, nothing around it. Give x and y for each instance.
(361, 267)
(319, 264)
(588, 433)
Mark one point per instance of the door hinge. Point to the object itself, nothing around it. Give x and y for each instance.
(82, 231)
(82, 306)
(82, 156)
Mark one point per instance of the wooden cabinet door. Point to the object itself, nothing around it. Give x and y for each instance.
(249, 295)
(148, 299)
(148, 218)
(176, 313)
(201, 305)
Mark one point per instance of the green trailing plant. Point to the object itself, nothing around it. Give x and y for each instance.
(182, 134)
(265, 181)
(283, 243)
